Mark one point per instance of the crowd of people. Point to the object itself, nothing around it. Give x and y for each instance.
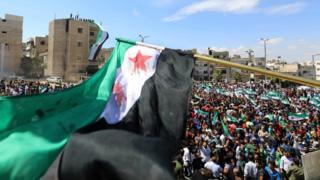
(25, 87)
(235, 130)
(248, 131)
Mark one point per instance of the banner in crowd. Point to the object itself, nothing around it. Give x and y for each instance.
(298, 116)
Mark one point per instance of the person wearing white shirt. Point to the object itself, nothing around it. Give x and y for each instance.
(187, 159)
(213, 167)
(250, 169)
(205, 152)
(285, 162)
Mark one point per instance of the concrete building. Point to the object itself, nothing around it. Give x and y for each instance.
(68, 49)
(317, 70)
(307, 71)
(290, 69)
(206, 71)
(250, 61)
(10, 45)
(36, 46)
(203, 71)
(274, 65)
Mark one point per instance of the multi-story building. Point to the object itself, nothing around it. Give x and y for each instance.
(274, 65)
(317, 70)
(68, 49)
(205, 70)
(290, 69)
(307, 70)
(10, 45)
(35, 46)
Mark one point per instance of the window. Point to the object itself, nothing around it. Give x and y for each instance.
(79, 58)
(91, 33)
(42, 42)
(4, 20)
(4, 32)
(79, 44)
(80, 30)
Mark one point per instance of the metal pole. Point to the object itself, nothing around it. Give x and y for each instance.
(1, 58)
(299, 80)
(314, 66)
(143, 37)
(265, 53)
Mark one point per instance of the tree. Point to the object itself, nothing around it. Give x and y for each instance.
(217, 75)
(32, 67)
(237, 76)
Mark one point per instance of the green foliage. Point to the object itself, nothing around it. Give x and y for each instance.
(217, 75)
(237, 76)
(32, 68)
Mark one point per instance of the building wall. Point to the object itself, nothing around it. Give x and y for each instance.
(68, 50)
(317, 69)
(10, 44)
(307, 71)
(290, 69)
(36, 46)
(203, 71)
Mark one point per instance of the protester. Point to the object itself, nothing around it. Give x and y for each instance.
(235, 130)
(252, 130)
(25, 87)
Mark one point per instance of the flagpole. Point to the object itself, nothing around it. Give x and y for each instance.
(299, 80)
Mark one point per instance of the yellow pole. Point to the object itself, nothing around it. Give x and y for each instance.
(299, 80)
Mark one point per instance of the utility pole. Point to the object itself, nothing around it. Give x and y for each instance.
(2, 46)
(143, 37)
(265, 40)
(250, 52)
(251, 75)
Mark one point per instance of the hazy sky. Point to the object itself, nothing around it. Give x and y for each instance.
(293, 26)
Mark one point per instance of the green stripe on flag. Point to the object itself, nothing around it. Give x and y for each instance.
(34, 129)
(282, 123)
(225, 129)
(285, 101)
(274, 95)
(298, 116)
(270, 117)
(215, 117)
(231, 118)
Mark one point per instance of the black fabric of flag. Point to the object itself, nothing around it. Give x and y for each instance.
(142, 145)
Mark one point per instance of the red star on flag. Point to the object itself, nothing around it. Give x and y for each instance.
(139, 62)
(119, 94)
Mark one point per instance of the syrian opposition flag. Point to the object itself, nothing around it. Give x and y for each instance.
(250, 92)
(274, 95)
(34, 129)
(270, 117)
(147, 90)
(298, 116)
(314, 101)
(215, 117)
(285, 101)
(138, 65)
(231, 118)
(264, 97)
(142, 122)
(100, 40)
